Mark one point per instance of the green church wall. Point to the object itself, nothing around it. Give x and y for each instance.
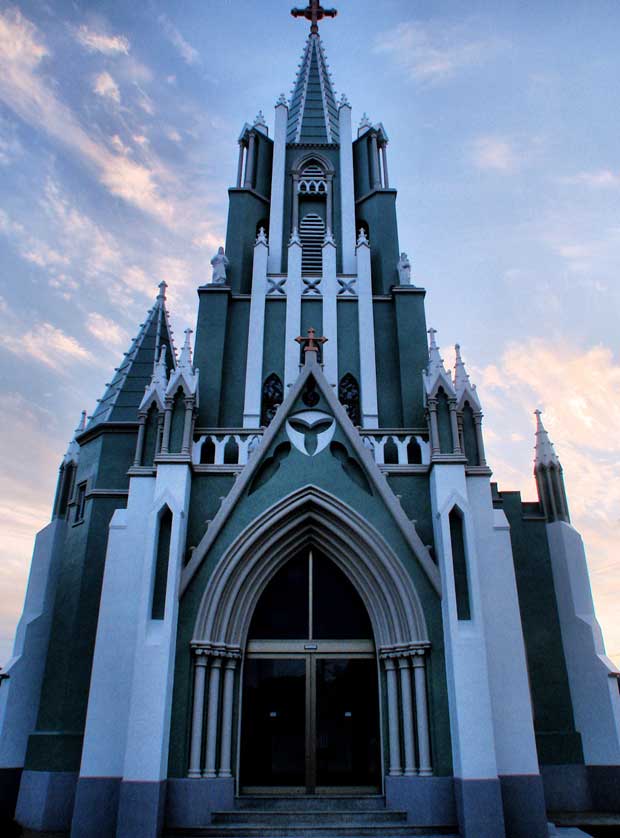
(412, 352)
(326, 472)
(348, 339)
(556, 738)
(387, 363)
(246, 209)
(378, 212)
(209, 355)
(56, 743)
(235, 358)
(312, 316)
(361, 167)
(264, 165)
(275, 329)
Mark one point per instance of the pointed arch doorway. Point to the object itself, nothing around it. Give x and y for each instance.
(310, 693)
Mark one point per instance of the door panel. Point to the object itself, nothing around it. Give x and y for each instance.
(274, 723)
(347, 723)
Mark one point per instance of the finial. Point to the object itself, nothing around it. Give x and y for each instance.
(81, 424)
(364, 125)
(261, 238)
(344, 102)
(294, 239)
(259, 120)
(162, 290)
(311, 343)
(282, 100)
(185, 358)
(545, 452)
(314, 12)
(362, 237)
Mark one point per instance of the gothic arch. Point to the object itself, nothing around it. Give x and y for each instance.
(309, 516)
(312, 157)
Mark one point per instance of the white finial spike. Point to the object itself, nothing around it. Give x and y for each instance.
(260, 119)
(81, 423)
(162, 290)
(344, 102)
(185, 359)
(282, 100)
(435, 361)
(545, 452)
(261, 238)
(461, 378)
(362, 237)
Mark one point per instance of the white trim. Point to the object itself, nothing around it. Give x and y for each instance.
(330, 313)
(347, 191)
(256, 333)
(276, 211)
(293, 315)
(366, 321)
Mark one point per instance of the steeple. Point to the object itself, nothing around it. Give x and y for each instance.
(124, 393)
(549, 476)
(313, 113)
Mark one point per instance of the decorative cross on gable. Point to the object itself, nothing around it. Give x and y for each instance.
(311, 343)
(314, 12)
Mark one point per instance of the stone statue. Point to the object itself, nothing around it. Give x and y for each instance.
(404, 270)
(220, 263)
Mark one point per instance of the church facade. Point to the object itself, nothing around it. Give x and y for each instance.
(278, 571)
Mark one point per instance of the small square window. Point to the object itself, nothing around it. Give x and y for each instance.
(80, 502)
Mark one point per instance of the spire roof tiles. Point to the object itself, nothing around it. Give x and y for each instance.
(124, 393)
(545, 452)
(313, 113)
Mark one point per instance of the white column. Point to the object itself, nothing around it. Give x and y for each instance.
(386, 179)
(329, 285)
(347, 191)
(240, 164)
(374, 162)
(405, 693)
(213, 712)
(200, 671)
(421, 713)
(293, 313)
(256, 331)
(368, 370)
(227, 718)
(276, 212)
(393, 727)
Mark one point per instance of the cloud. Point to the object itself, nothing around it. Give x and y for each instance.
(104, 85)
(100, 42)
(105, 330)
(10, 146)
(603, 179)
(186, 51)
(47, 344)
(495, 154)
(429, 52)
(36, 102)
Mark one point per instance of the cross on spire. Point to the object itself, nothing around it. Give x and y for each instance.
(314, 12)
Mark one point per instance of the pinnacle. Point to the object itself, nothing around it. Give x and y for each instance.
(545, 452)
(185, 359)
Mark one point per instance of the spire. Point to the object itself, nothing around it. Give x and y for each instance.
(313, 114)
(73, 448)
(124, 394)
(545, 453)
(156, 390)
(185, 375)
(463, 386)
(549, 476)
(435, 371)
(185, 359)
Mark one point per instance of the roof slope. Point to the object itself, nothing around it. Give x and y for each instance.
(313, 114)
(123, 395)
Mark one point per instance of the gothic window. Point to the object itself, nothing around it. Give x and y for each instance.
(65, 487)
(273, 393)
(414, 452)
(207, 452)
(469, 436)
(162, 559)
(312, 236)
(459, 565)
(151, 433)
(390, 453)
(349, 397)
(231, 452)
(178, 422)
(80, 503)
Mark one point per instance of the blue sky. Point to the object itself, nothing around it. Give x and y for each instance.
(118, 128)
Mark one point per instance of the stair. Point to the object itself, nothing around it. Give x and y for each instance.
(327, 816)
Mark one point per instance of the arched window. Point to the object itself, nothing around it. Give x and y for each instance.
(414, 452)
(312, 236)
(177, 423)
(273, 393)
(390, 453)
(207, 452)
(469, 436)
(459, 565)
(162, 560)
(349, 397)
(231, 452)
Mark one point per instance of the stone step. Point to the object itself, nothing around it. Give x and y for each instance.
(299, 817)
(336, 802)
(372, 830)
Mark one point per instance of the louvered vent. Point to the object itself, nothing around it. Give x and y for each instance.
(312, 235)
(312, 170)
